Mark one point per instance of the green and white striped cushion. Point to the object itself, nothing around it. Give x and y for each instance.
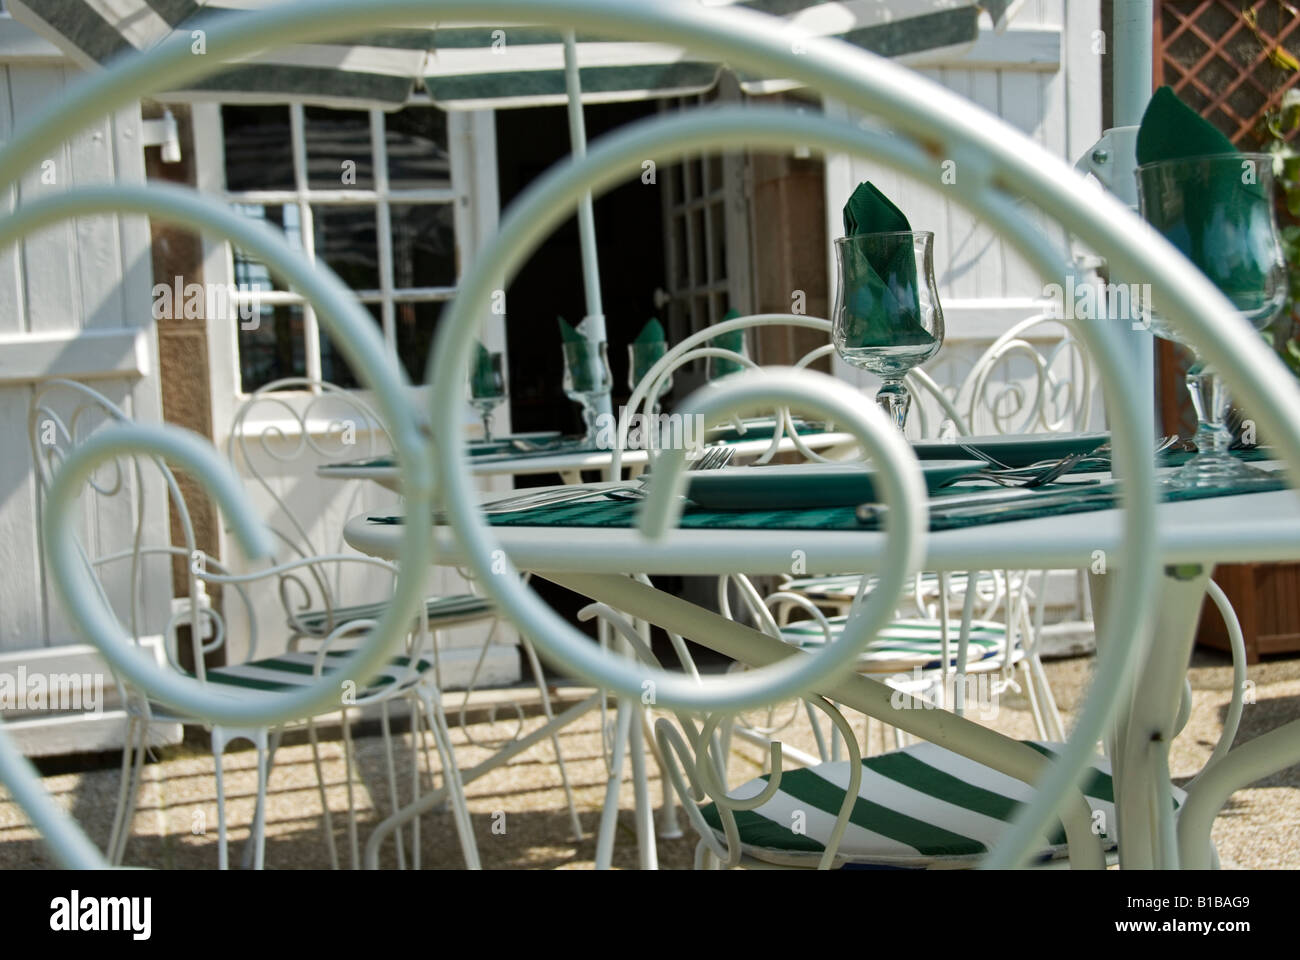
(918, 807)
(292, 670)
(905, 644)
(442, 611)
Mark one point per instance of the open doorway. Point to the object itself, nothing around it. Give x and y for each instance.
(629, 234)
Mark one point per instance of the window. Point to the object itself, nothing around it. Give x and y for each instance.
(373, 196)
(705, 230)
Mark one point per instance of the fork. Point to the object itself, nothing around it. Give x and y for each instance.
(1027, 477)
(713, 458)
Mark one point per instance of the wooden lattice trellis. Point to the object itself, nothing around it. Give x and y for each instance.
(1231, 61)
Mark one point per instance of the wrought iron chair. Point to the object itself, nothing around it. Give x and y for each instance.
(271, 432)
(65, 414)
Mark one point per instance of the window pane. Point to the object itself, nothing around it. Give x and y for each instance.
(718, 241)
(715, 172)
(346, 241)
(417, 149)
(335, 138)
(251, 272)
(701, 247)
(424, 245)
(333, 368)
(274, 350)
(416, 323)
(682, 251)
(259, 151)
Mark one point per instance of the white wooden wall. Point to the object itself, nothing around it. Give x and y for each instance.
(74, 302)
(1043, 78)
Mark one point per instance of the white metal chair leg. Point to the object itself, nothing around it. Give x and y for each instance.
(259, 816)
(327, 820)
(126, 791)
(417, 740)
(669, 827)
(258, 835)
(1056, 726)
(609, 812)
(354, 844)
(535, 665)
(1031, 694)
(391, 769)
(218, 753)
(451, 777)
(645, 823)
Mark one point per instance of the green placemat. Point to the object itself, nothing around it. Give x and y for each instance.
(624, 513)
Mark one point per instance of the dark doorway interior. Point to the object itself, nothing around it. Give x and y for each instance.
(629, 234)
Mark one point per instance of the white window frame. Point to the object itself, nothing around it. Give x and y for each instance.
(472, 194)
(731, 195)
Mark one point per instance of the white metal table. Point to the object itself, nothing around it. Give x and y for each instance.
(1193, 536)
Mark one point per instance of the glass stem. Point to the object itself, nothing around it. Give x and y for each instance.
(1210, 400)
(589, 418)
(487, 426)
(895, 399)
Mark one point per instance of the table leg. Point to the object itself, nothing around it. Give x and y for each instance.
(858, 693)
(1148, 721)
(609, 810)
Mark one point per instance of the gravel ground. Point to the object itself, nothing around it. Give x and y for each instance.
(519, 814)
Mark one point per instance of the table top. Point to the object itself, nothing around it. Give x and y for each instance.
(577, 460)
(1236, 529)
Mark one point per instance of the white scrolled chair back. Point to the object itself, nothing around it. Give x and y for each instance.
(927, 121)
(1057, 396)
(65, 413)
(296, 424)
(698, 346)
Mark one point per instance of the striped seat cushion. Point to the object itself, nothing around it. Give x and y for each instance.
(905, 644)
(844, 587)
(441, 610)
(918, 807)
(292, 670)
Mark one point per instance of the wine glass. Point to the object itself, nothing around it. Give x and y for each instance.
(641, 358)
(487, 387)
(887, 317)
(586, 377)
(1218, 210)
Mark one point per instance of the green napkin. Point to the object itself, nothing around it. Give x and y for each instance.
(733, 341)
(1220, 220)
(568, 332)
(652, 332)
(581, 373)
(1171, 129)
(482, 380)
(880, 286)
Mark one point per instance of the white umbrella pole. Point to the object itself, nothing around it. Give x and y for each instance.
(593, 326)
(1133, 51)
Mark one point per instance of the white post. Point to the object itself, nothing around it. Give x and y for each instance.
(1133, 49)
(593, 326)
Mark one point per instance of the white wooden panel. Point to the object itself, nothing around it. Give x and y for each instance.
(21, 619)
(74, 302)
(92, 355)
(11, 313)
(48, 256)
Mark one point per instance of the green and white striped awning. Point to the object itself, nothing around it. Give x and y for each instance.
(489, 65)
(380, 70)
(496, 66)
